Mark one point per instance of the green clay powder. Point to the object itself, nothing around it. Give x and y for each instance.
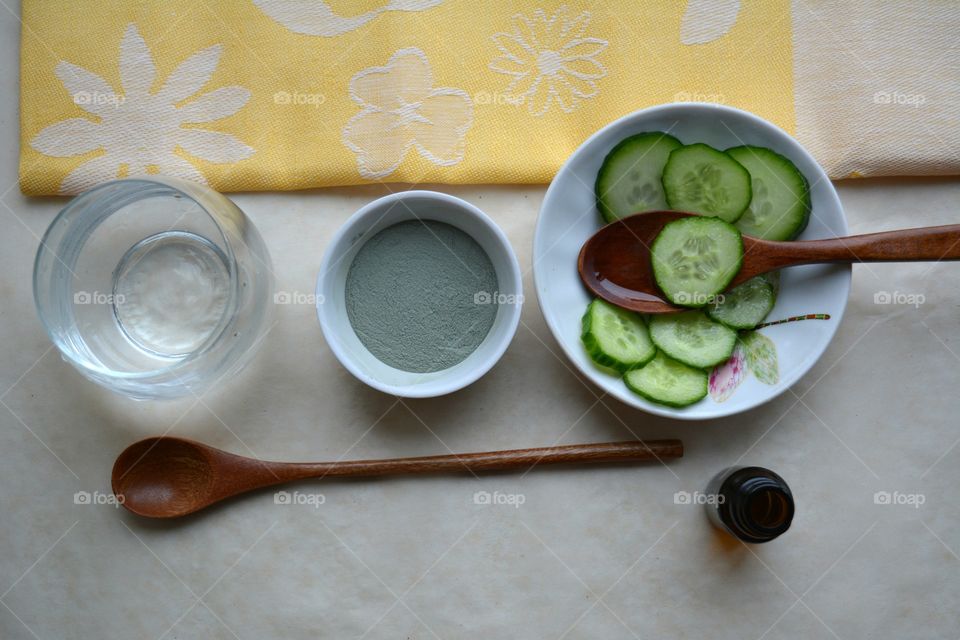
(421, 295)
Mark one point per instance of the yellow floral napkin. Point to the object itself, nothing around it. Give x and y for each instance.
(291, 94)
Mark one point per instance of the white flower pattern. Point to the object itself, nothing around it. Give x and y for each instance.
(139, 130)
(707, 20)
(317, 17)
(550, 60)
(402, 109)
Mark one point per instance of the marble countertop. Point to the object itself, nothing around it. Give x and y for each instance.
(867, 441)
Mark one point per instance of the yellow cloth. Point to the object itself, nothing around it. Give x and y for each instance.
(290, 94)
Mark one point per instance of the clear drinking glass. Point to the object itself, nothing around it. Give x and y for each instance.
(153, 287)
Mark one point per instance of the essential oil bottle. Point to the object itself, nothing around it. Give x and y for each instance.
(752, 503)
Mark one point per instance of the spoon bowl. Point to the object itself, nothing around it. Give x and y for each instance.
(163, 477)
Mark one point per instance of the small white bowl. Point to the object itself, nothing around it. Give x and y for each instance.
(568, 217)
(331, 284)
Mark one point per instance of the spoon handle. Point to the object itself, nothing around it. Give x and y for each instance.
(631, 451)
(904, 245)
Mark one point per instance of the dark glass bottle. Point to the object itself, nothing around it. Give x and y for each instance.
(751, 503)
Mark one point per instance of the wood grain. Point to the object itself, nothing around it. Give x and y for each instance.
(168, 477)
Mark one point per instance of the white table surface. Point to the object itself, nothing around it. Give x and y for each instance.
(591, 552)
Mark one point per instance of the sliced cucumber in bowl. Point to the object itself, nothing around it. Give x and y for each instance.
(746, 305)
(700, 179)
(780, 206)
(616, 338)
(629, 179)
(692, 338)
(695, 258)
(669, 382)
(693, 268)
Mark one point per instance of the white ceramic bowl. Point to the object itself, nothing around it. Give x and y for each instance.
(365, 223)
(568, 217)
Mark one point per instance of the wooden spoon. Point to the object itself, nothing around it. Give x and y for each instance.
(168, 477)
(615, 262)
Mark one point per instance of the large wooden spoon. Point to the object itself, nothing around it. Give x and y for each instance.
(168, 477)
(615, 262)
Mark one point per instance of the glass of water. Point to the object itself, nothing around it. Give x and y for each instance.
(153, 287)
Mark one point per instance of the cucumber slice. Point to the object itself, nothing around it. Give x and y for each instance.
(773, 277)
(692, 338)
(695, 258)
(615, 337)
(746, 305)
(629, 179)
(780, 207)
(699, 179)
(666, 381)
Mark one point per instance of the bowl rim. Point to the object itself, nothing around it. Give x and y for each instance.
(538, 241)
(446, 383)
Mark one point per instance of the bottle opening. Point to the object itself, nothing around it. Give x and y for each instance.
(757, 504)
(768, 508)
